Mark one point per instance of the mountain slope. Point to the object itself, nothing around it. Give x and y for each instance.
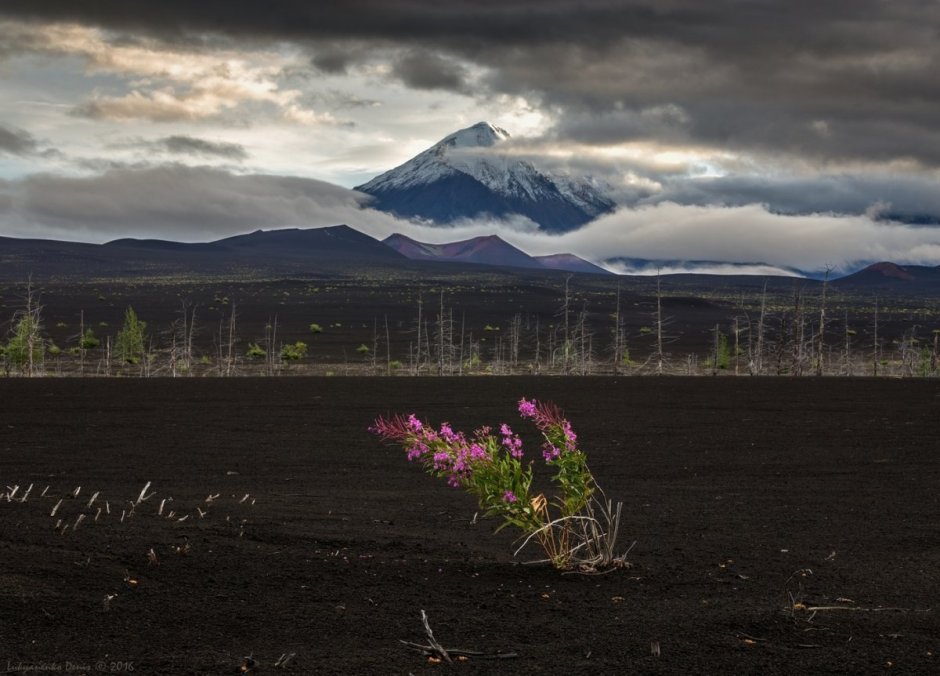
(465, 176)
(893, 276)
(490, 250)
(570, 263)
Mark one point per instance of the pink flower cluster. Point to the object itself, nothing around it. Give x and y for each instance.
(449, 453)
(554, 427)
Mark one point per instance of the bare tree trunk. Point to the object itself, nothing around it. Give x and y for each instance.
(417, 361)
(821, 339)
(463, 326)
(659, 326)
(388, 349)
(230, 359)
(81, 344)
(759, 362)
(874, 361)
(567, 312)
(737, 331)
(375, 343)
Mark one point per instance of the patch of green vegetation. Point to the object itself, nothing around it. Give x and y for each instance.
(294, 352)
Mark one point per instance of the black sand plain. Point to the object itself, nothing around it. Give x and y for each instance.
(730, 486)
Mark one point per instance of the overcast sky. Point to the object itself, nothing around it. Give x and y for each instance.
(793, 133)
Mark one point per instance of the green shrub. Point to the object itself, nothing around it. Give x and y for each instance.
(316, 328)
(88, 340)
(255, 351)
(294, 352)
(130, 340)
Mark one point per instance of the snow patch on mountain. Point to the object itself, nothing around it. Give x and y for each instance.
(499, 184)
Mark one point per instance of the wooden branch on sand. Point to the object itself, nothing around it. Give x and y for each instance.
(436, 651)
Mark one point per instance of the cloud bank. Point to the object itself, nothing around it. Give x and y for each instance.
(201, 203)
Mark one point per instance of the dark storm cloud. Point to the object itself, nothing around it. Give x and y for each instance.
(419, 69)
(903, 198)
(176, 145)
(835, 80)
(189, 145)
(16, 142)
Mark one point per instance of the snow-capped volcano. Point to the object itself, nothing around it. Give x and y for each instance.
(465, 175)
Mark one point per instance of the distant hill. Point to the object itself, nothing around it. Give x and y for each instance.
(570, 263)
(488, 250)
(891, 276)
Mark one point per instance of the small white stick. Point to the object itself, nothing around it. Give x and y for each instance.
(143, 493)
(81, 517)
(98, 514)
(43, 494)
(26, 494)
(78, 489)
(93, 498)
(56, 508)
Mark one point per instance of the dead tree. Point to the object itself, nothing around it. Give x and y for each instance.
(660, 357)
(821, 337)
(757, 359)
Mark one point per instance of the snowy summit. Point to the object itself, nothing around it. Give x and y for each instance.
(465, 175)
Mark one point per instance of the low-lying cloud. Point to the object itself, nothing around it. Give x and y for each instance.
(201, 203)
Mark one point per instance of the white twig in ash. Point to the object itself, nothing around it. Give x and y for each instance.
(81, 517)
(441, 651)
(26, 494)
(143, 494)
(93, 498)
(78, 489)
(56, 508)
(283, 660)
(436, 651)
(107, 601)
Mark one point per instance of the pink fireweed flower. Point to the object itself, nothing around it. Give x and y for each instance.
(414, 423)
(509, 496)
(527, 408)
(447, 433)
(417, 449)
(550, 451)
(571, 438)
(477, 452)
